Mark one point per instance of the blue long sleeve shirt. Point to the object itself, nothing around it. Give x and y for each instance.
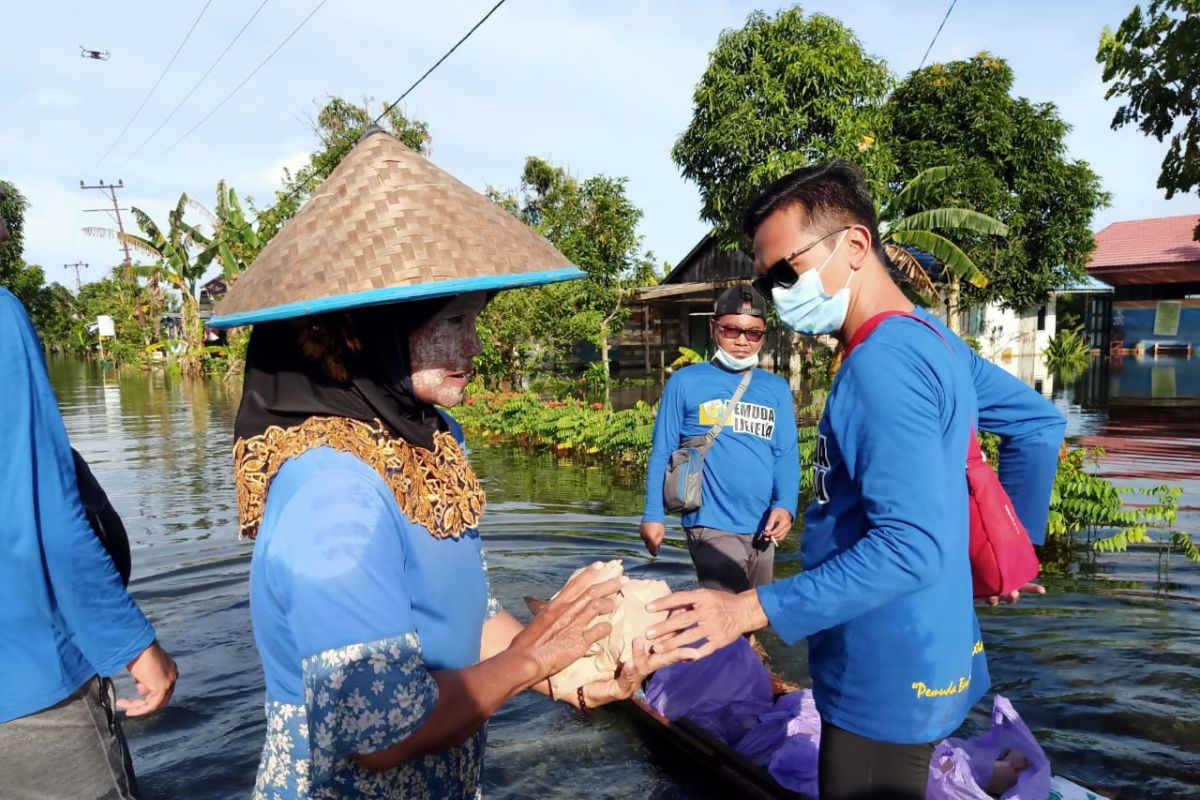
(64, 613)
(752, 467)
(885, 598)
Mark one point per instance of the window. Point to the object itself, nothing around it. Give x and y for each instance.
(1041, 318)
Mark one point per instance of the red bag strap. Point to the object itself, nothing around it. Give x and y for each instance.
(868, 327)
(974, 452)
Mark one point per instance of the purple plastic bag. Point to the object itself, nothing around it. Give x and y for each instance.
(729, 722)
(794, 764)
(729, 675)
(960, 768)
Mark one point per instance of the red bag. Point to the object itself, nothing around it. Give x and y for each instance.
(1002, 556)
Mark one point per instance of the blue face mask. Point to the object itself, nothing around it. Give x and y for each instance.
(805, 308)
(724, 358)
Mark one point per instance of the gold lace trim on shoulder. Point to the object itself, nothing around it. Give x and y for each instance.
(434, 488)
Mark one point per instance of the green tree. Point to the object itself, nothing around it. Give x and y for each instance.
(1009, 161)
(594, 224)
(182, 253)
(50, 307)
(236, 241)
(782, 92)
(1152, 62)
(116, 297)
(12, 210)
(339, 124)
(906, 221)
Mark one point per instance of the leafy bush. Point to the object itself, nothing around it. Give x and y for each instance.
(1067, 351)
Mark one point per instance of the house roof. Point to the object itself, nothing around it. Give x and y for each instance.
(708, 261)
(1158, 250)
(1088, 285)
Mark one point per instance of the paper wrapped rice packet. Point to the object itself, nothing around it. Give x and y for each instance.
(629, 621)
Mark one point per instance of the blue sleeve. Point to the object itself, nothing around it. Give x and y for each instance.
(337, 572)
(786, 491)
(892, 466)
(667, 424)
(41, 505)
(1031, 432)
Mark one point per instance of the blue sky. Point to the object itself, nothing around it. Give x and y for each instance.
(595, 86)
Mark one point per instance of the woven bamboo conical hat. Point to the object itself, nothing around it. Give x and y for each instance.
(388, 226)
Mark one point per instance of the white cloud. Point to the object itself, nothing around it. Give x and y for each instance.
(273, 175)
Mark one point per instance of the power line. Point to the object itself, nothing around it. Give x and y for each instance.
(146, 99)
(196, 85)
(938, 33)
(298, 189)
(238, 88)
(438, 63)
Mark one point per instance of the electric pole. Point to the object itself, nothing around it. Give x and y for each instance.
(76, 265)
(111, 190)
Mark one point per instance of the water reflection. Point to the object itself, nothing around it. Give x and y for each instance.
(1107, 680)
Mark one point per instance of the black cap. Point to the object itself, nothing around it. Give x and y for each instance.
(741, 299)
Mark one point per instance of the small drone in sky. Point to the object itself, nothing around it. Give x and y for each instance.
(98, 55)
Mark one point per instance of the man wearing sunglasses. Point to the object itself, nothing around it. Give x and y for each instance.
(751, 473)
(885, 598)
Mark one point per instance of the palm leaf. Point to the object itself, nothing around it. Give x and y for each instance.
(952, 218)
(917, 191)
(229, 263)
(202, 210)
(945, 251)
(908, 266)
(149, 227)
(136, 242)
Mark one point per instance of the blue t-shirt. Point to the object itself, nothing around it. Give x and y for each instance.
(64, 613)
(886, 599)
(336, 563)
(752, 467)
(353, 606)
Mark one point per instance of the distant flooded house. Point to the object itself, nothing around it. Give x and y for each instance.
(1153, 266)
(675, 313)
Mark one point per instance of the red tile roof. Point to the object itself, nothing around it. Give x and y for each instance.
(1164, 240)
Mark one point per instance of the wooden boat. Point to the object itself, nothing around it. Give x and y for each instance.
(711, 762)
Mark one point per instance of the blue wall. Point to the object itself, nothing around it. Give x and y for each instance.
(1133, 321)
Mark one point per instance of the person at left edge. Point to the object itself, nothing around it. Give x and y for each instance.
(751, 475)
(66, 620)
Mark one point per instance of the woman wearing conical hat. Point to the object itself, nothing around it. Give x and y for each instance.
(383, 652)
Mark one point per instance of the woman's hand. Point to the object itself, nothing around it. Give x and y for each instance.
(566, 627)
(629, 677)
(717, 617)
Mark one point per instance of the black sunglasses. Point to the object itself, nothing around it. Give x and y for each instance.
(733, 332)
(782, 273)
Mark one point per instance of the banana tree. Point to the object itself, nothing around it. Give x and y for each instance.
(907, 225)
(175, 263)
(235, 242)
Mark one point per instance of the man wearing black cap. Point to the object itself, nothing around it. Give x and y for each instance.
(751, 473)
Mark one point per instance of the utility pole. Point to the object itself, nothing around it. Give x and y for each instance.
(111, 190)
(76, 265)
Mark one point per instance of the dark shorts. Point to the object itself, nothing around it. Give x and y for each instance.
(71, 751)
(853, 767)
(730, 562)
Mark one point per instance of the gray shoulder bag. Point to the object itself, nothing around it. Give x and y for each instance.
(682, 489)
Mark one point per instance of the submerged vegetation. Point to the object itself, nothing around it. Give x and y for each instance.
(1067, 352)
(1088, 513)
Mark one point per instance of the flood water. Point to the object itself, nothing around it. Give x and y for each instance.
(1105, 668)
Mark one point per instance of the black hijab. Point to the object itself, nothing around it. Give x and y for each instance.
(353, 364)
